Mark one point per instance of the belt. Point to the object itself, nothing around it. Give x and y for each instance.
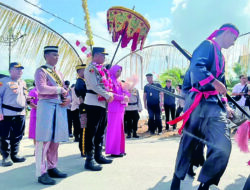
(12, 108)
(91, 92)
(196, 102)
(131, 104)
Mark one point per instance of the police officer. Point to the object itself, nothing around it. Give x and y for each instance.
(153, 101)
(131, 116)
(80, 90)
(13, 94)
(96, 100)
(169, 103)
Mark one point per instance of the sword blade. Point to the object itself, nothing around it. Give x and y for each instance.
(166, 92)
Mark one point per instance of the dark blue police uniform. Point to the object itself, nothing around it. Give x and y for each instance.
(153, 105)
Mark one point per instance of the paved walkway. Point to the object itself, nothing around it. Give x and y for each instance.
(148, 165)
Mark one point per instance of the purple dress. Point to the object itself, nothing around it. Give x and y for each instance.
(32, 127)
(115, 137)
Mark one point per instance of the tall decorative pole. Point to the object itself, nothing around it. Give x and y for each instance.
(89, 33)
(10, 40)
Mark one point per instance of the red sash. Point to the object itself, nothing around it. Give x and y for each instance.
(196, 102)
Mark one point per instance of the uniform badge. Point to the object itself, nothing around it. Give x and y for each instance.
(1, 84)
(91, 70)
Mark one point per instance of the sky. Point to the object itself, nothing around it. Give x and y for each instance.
(186, 21)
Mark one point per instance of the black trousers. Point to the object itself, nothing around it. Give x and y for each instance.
(12, 131)
(69, 115)
(169, 109)
(178, 111)
(80, 140)
(154, 120)
(198, 155)
(208, 122)
(96, 124)
(76, 123)
(131, 119)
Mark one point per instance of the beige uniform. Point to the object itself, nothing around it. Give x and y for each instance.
(94, 83)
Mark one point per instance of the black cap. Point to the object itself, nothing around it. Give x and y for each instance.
(15, 65)
(82, 66)
(98, 50)
(149, 75)
(48, 49)
(168, 80)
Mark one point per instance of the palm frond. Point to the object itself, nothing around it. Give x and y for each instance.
(38, 35)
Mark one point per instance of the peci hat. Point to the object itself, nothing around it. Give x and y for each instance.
(48, 49)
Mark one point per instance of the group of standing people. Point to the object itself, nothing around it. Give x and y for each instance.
(155, 101)
(101, 97)
(102, 103)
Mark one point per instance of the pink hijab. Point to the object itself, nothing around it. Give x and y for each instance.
(113, 72)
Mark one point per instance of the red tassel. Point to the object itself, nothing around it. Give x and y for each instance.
(242, 136)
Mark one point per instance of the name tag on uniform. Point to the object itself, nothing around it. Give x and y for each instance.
(150, 94)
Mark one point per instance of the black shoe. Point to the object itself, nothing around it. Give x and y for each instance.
(92, 165)
(136, 136)
(17, 159)
(71, 136)
(7, 162)
(176, 183)
(46, 180)
(129, 136)
(102, 160)
(99, 158)
(55, 173)
(83, 155)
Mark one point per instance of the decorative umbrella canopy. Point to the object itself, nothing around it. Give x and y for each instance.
(128, 24)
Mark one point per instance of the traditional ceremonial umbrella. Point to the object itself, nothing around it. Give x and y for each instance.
(128, 24)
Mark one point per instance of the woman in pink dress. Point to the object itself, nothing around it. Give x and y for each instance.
(33, 104)
(115, 137)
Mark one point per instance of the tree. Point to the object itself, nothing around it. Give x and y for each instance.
(29, 83)
(237, 68)
(174, 74)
